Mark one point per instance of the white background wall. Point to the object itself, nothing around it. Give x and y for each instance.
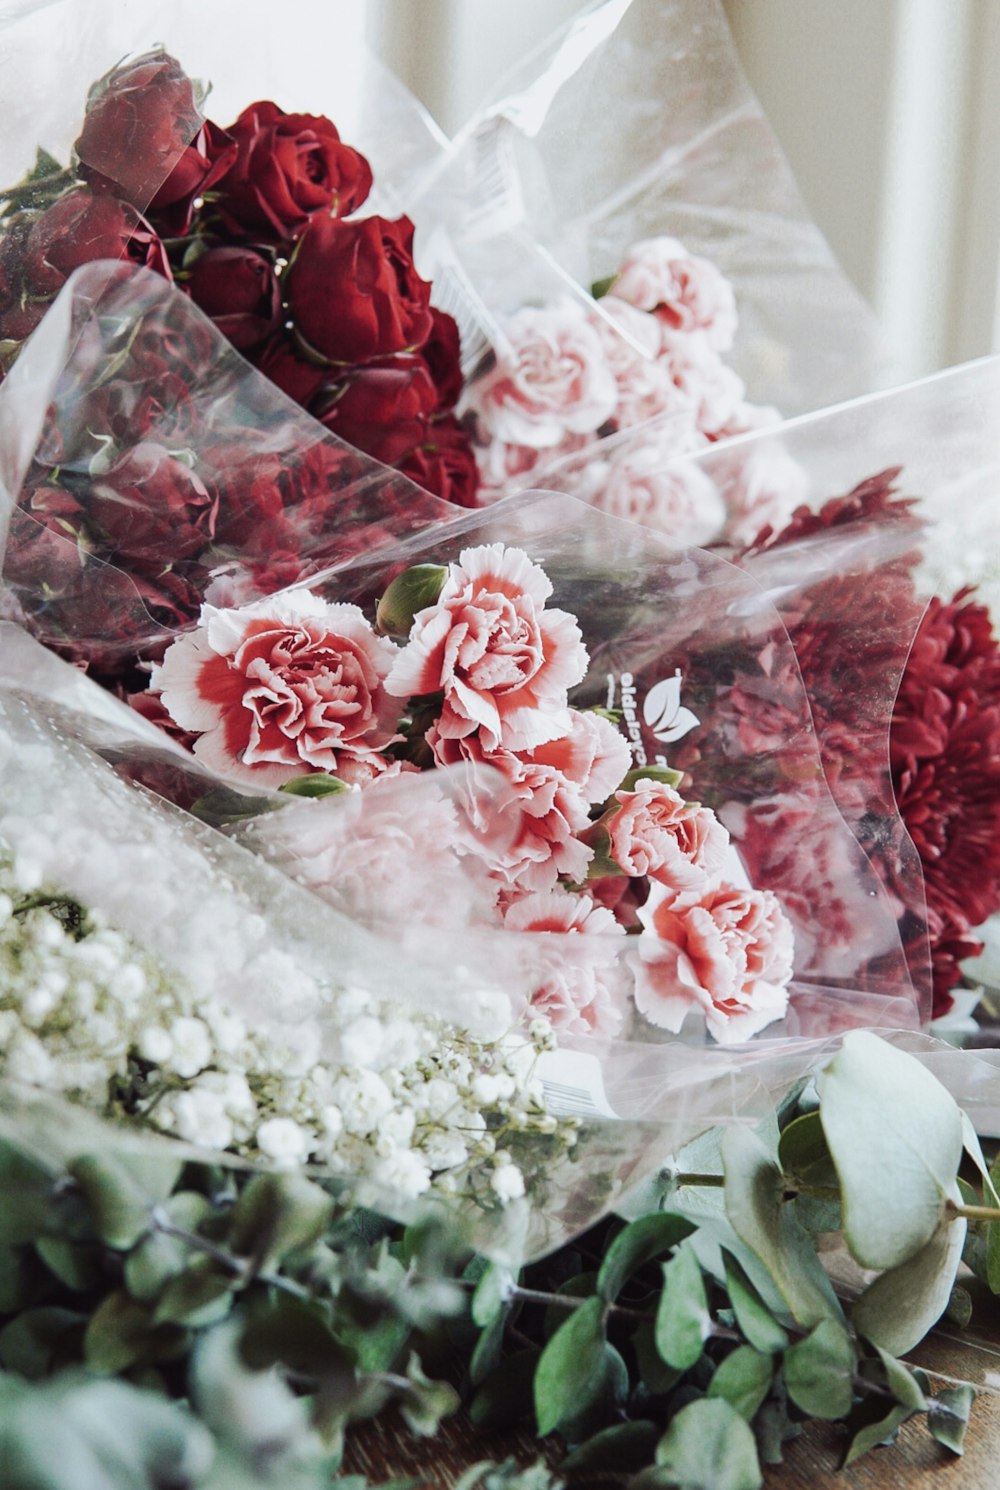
(889, 112)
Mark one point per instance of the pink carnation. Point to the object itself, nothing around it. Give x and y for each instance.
(553, 382)
(762, 485)
(594, 755)
(730, 956)
(680, 845)
(631, 341)
(686, 292)
(503, 662)
(714, 391)
(281, 688)
(578, 988)
(672, 496)
(534, 824)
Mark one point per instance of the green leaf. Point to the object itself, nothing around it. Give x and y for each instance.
(493, 1292)
(507, 1396)
(580, 1286)
(898, 1309)
(602, 1406)
(427, 1402)
(77, 1265)
(295, 1334)
(568, 1373)
(617, 1450)
(120, 1191)
(683, 1322)
(37, 1342)
(948, 1416)
(970, 1139)
(895, 1135)
(488, 1350)
(899, 1379)
(752, 1315)
(150, 1266)
(33, 1203)
(275, 1215)
(657, 1377)
(121, 1334)
(743, 1379)
(199, 1296)
(774, 1428)
(708, 1446)
(882, 1431)
(819, 1371)
(805, 1159)
(22, 1279)
(600, 287)
(754, 1187)
(637, 1244)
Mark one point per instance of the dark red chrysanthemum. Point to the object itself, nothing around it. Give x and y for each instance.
(945, 756)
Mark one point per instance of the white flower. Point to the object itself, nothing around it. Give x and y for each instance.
(283, 1140)
(155, 1045)
(201, 1118)
(444, 1150)
(361, 1042)
(438, 1097)
(403, 1174)
(192, 1046)
(506, 1181)
(364, 1099)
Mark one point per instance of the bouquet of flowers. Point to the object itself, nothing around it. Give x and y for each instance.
(469, 860)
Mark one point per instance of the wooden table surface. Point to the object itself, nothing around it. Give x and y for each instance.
(382, 1451)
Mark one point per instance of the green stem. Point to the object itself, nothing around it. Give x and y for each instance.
(974, 1212)
(238, 1267)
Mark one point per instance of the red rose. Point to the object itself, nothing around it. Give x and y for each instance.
(278, 360)
(445, 464)
(382, 408)
(442, 351)
(238, 289)
(204, 162)
(79, 228)
(289, 167)
(153, 508)
(140, 119)
(353, 291)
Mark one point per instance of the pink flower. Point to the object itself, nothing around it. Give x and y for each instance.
(672, 496)
(534, 824)
(579, 992)
(503, 662)
(594, 755)
(281, 688)
(730, 956)
(687, 292)
(681, 845)
(713, 390)
(553, 382)
(762, 486)
(631, 340)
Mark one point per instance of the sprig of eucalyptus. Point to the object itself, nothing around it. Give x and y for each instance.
(153, 1310)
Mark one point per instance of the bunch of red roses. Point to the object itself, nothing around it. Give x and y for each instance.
(254, 223)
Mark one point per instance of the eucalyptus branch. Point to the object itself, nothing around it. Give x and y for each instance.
(237, 1267)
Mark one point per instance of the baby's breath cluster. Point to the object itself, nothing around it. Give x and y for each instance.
(411, 1104)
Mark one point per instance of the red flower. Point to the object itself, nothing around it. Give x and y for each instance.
(382, 408)
(140, 120)
(238, 288)
(444, 463)
(945, 755)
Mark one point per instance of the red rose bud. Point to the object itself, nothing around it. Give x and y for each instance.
(79, 228)
(381, 409)
(410, 592)
(278, 360)
(153, 509)
(140, 119)
(442, 352)
(353, 290)
(288, 168)
(445, 464)
(238, 289)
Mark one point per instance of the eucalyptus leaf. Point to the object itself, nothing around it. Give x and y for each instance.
(277, 1214)
(882, 1431)
(900, 1380)
(898, 1309)
(121, 1334)
(151, 1265)
(22, 1279)
(616, 1450)
(39, 1341)
(970, 1139)
(34, 1204)
(753, 1316)
(488, 1349)
(121, 1190)
(493, 1291)
(683, 1322)
(657, 1377)
(896, 1138)
(754, 1192)
(948, 1416)
(743, 1379)
(426, 1402)
(569, 1370)
(77, 1265)
(603, 1404)
(819, 1371)
(199, 1296)
(804, 1157)
(294, 1334)
(708, 1446)
(639, 1242)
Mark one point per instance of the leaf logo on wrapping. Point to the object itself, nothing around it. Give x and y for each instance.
(663, 712)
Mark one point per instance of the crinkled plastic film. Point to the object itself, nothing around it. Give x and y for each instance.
(649, 617)
(636, 121)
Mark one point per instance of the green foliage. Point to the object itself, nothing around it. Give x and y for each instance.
(676, 1349)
